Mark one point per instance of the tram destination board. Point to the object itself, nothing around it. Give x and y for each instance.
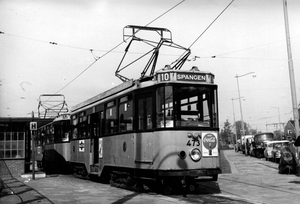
(173, 76)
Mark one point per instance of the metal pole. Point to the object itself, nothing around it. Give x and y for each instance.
(234, 119)
(278, 109)
(235, 125)
(292, 78)
(33, 150)
(242, 120)
(243, 129)
(279, 120)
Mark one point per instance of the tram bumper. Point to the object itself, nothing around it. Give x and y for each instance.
(190, 173)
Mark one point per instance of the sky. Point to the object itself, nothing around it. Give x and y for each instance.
(249, 36)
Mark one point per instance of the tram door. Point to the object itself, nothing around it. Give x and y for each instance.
(95, 130)
(144, 139)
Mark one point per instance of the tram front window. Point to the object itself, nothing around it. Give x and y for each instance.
(195, 106)
(164, 107)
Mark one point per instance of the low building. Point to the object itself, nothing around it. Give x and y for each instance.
(289, 130)
(15, 145)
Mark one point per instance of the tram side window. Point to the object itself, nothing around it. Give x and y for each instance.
(38, 140)
(83, 126)
(125, 114)
(58, 132)
(95, 124)
(49, 137)
(42, 136)
(145, 109)
(111, 118)
(51, 134)
(102, 124)
(215, 109)
(164, 107)
(74, 127)
(62, 131)
(205, 105)
(65, 131)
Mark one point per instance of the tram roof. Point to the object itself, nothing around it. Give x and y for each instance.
(209, 79)
(105, 94)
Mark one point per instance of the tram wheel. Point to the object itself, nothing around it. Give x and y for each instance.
(167, 190)
(192, 187)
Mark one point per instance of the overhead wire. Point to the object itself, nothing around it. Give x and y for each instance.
(211, 24)
(248, 48)
(205, 31)
(96, 58)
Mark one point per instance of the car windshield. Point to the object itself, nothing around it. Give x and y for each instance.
(264, 137)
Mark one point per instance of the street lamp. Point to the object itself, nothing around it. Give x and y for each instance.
(234, 119)
(242, 120)
(278, 116)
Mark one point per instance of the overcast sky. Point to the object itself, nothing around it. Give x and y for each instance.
(248, 37)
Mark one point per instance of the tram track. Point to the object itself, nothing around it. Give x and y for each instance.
(269, 187)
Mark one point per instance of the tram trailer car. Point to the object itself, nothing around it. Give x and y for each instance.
(161, 131)
(54, 143)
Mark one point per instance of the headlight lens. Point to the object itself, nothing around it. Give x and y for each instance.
(195, 154)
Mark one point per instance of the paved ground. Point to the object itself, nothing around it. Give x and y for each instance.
(258, 180)
(251, 180)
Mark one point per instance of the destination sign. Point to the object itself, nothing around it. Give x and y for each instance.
(191, 77)
(185, 76)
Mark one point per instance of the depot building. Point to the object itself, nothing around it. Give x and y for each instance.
(15, 144)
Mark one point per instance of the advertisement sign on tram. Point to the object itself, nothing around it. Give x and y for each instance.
(209, 144)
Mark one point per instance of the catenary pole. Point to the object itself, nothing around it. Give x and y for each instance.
(292, 77)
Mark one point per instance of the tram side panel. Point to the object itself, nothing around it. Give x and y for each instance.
(170, 151)
(57, 158)
(118, 151)
(162, 151)
(63, 157)
(81, 156)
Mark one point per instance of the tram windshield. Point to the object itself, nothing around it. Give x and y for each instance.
(187, 106)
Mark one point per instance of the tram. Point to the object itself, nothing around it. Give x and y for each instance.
(161, 129)
(53, 145)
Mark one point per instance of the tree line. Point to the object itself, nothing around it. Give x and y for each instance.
(229, 131)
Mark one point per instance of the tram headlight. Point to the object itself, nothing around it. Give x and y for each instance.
(195, 154)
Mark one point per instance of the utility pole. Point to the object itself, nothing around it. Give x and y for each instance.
(236, 146)
(238, 86)
(292, 78)
(33, 128)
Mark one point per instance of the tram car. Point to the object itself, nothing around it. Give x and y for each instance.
(161, 131)
(53, 145)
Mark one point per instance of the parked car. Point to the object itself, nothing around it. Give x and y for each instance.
(258, 143)
(238, 146)
(244, 143)
(272, 149)
(276, 151)
(249, 145)
(268, 154)
(268, 150)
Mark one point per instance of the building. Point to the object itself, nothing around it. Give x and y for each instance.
(15, 145)
(289, 129)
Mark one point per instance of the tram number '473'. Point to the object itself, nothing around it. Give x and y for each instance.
(193, 142)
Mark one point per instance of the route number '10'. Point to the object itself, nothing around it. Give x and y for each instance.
(165, 77)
